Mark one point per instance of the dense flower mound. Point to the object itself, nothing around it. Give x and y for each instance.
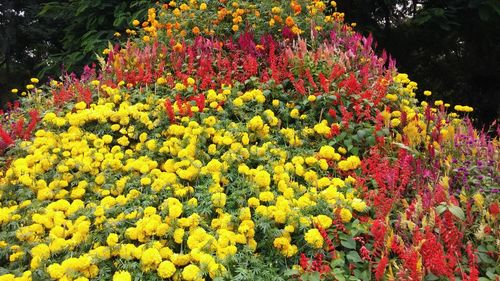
(244, 141)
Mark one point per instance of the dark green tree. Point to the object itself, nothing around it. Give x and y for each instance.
(50, 38)
(451, 47)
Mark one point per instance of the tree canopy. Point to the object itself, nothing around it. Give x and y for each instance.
(49, 38)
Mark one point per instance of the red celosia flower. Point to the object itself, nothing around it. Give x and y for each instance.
(304, 262)
(170, 110)
(7, 139)
(494, 209)
(380, 270)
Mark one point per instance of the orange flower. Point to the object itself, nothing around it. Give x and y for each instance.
(195, 30)
(178, 47)
(296, 7)
(289, 21)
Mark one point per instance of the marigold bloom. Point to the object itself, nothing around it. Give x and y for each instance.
(122, 275)
(313, 237)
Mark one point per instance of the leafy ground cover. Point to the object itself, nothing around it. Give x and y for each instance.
(245, 141)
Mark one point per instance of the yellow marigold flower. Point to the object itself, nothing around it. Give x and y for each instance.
(41, 250)
(237, 102)
(180, 87)
(395, 122)
(112, 239)
(30, 86)
(256, 123)
(427, 93)
(34, 80)
(294, 113)
(122, 275)
(358, 205)
(351, 163)
(179, 235)
(150, 258)
(136, 22)
(342, 150)
(262, 179)
(190, 81)
(190, 272)
(253, 202)
(345, 215)
(235, 27)
(323, 221)
(161, 81)
(55, 271)
(266, 196)
(219, 199)
(166, 269)
(327, 152)
(203, 6)
(145, 181)
(391, 97)
(14, 91)
(107, 139)
(81, 105)
(313, 237)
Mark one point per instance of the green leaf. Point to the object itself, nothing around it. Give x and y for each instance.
(311, 276)
(353, 256)
(431, 277)
(491, 274)
(337, 263)
(290, 272)
(457, 211)
(349, 243)
(422, 19)
(339, 276)
(485, 258)
(441, 208)
(438, 12)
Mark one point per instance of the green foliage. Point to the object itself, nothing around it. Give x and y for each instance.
(87, 27)
(50, 38)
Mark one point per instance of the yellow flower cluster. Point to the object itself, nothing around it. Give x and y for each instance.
(147, 181)
(351, 163)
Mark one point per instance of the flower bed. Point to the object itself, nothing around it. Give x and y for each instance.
(242, 141)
